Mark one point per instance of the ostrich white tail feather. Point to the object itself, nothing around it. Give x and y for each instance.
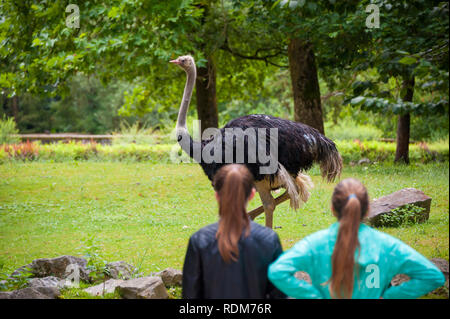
(289, 184)
(304, 184)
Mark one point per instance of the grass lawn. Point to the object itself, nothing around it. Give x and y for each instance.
(144, 213)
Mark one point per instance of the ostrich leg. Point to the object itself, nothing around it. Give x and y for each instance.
(258, 211)
(268, 202)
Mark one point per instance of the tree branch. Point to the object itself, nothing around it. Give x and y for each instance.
(255, 56)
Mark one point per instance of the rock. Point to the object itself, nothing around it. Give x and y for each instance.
(363, 161)
(49, 281)
(399, 279)
(382, 208)
(5, 295)
(107, 287)
(120, 270)
(61, 267)
(442, 264)
(51, 292)
(303, 276)
(151, 287)
(32, 293)
(170, 277)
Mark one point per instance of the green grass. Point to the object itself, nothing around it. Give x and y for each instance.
(144, 213)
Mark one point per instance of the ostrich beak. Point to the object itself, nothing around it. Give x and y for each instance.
(175, 61)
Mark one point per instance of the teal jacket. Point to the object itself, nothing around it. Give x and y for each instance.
(381, 257)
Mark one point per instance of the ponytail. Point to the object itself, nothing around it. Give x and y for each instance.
(233, 184)
(350, 210)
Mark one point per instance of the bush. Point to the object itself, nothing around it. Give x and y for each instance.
(351, 151)
(8, 130)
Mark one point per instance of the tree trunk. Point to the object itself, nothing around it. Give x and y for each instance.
(403, 125)
(15, 108)
(206, 95)
(305, 84)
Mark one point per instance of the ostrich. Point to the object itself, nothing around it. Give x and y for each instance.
(299, 146)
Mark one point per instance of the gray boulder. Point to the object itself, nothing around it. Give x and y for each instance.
(385, 205)
(442, 264)
(170, 277)
(303, 276)
(151, 287)
(60, 267)
(364, 161)
(399, 279)
(49, 281)
(104, 288)
(120, 270)
(32, 293)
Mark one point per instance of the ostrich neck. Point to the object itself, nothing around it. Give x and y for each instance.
(189, 87)
(184, 139)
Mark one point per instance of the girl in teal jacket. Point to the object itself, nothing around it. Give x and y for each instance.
(352, 260)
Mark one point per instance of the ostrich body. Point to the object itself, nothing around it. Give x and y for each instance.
(299, 147)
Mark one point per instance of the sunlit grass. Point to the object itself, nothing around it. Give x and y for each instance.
(144, 213)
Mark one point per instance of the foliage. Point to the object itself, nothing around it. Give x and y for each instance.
(400, 107)
(351, 151)
(96, 264)
(8, 130)
(16, 281)
(406, 215)
(21, 151)
(410, 43)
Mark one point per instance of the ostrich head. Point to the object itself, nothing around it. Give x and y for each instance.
(186, 62)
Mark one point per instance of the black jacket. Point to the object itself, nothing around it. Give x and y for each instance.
(207, 276)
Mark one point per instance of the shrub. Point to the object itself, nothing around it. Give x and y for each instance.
(8, 131)
(351, 151)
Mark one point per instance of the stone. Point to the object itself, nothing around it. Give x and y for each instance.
(303, 276)
(170, 277)
(49, 281)
(31, 293)
(107, 287)
(151, 287)
(385, 205)
(120, 270)
(59, 267)
(442, 264)
(5, 294)
(51, 292)
(399, 279)
(363, 161)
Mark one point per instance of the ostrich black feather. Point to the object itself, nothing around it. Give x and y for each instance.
(299, 147)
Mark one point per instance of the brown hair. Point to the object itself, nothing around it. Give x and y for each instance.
(234, 184)
(350, 202)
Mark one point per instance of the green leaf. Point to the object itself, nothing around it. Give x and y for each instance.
(36, 42)
(357, 100)
(408, 60)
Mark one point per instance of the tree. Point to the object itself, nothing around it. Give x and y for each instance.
(313, 36)
(411, 47)
(132, 40)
